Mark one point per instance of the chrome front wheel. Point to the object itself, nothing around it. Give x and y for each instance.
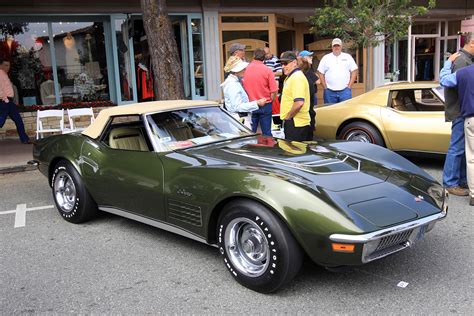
(247, 247)
(257, 247)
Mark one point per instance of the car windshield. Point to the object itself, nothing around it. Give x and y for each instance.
(191, 127)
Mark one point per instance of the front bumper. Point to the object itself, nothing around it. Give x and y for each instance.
(387, 241)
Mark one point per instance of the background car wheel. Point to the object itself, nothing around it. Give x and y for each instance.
(72, 199)
(257, 247)
(362, 132)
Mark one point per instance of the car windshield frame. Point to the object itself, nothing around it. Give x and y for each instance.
(165, 139)
(439, 92)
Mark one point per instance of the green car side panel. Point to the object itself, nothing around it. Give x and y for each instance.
(128, 180)
(54, 148)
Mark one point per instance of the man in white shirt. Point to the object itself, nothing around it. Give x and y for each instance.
(338, 72)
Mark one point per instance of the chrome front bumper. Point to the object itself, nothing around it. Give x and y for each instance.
(387, 241)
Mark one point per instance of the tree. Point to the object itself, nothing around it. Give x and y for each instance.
(366, 23)
(167, 74)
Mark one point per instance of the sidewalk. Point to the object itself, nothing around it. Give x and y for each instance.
(14, 156)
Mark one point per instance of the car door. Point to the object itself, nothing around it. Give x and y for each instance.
(126, 180)
(416, 129)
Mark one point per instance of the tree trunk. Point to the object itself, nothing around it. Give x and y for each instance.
(167, 73)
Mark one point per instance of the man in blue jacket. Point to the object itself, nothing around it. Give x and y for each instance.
(463, 79)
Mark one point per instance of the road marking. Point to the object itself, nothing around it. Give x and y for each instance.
(20, 213)
(20, 216)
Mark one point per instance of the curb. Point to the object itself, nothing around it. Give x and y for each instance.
(14, 169)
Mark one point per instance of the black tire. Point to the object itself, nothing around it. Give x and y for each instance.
(71, 197)
(258, 229)
(362, 132)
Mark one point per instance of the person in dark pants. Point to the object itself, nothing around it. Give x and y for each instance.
(259, 82)
(454, 171)
(295, 100)
(7, 107)
(305, 67)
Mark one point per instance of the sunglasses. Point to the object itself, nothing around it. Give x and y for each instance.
(284, 63)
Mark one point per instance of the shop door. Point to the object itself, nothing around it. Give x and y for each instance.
(425, 63)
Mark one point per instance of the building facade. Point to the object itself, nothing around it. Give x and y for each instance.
(80, 51)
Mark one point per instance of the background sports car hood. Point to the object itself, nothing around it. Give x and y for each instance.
(322, 165)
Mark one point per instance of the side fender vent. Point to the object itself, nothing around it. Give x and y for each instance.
(185, 212)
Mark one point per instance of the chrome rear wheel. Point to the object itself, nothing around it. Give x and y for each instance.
(64, 191)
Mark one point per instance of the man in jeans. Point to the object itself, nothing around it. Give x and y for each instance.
(259, 82)
(337, 72)
(7, 107)
(454, 172)
(463, 79)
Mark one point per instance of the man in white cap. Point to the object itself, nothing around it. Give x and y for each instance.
(338, 72)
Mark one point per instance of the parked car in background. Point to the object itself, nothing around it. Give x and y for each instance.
(400, 116)
(189, 167)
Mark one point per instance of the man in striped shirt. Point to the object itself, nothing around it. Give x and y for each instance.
(272, 62)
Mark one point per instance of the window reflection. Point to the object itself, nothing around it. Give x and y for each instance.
(81, 61)
(26, 47)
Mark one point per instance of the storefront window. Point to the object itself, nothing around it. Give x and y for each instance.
(81, 61)
(198, 57)
(245, 19)
(454, 27)
(403, 59)
(389, 65)
(124, 65)
(26, 46)
(422, 27)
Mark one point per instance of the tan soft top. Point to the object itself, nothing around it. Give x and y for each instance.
(95, 129)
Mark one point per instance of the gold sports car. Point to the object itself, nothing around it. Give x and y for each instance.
(401, 116)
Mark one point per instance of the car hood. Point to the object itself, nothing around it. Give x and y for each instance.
(313, 163)
(365, 190)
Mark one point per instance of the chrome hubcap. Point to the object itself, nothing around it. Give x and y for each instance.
(64, 191)
(359, 136)
(247, 247)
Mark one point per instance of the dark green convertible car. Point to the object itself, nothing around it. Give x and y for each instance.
(190, 168)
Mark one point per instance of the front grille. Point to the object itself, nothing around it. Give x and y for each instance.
(387, 251)
(394, 240)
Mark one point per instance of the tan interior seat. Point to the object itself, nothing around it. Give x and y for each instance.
(177, 130)
(398, 105)
(127, 138)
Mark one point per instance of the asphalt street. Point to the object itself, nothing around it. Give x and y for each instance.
(115, 265)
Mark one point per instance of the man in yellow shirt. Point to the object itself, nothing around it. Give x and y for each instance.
(295, 101)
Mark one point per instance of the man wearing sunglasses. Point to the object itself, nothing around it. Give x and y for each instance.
(294, 110)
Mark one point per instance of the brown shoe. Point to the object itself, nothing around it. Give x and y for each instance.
(464, 186)
(471, 202)
(457, 190)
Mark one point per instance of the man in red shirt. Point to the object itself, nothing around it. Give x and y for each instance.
(259, 82)
(7, 107)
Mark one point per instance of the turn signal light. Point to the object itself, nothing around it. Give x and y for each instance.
(343, 247)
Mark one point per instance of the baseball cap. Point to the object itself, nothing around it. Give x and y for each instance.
(305, 53)
(336, 41)
(235, 47)
(287, 56)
